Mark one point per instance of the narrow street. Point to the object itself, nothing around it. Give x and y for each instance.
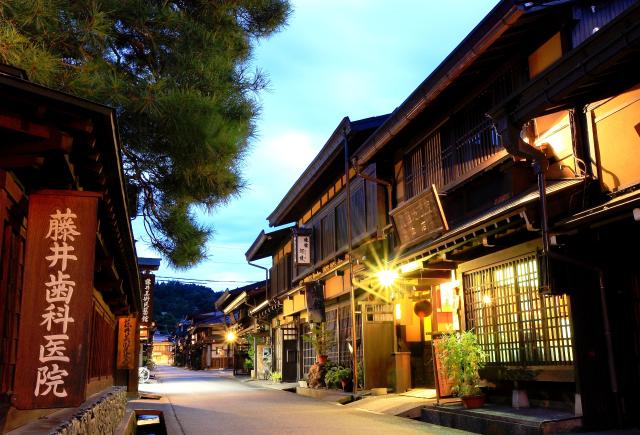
(207, 402)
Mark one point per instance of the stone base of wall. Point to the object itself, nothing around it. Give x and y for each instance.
(100, 414)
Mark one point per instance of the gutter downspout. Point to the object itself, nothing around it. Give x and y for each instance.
(352, 295)
(515, 146)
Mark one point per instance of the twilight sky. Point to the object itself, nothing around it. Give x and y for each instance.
(336, 58)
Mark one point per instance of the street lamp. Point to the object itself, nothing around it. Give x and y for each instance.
(230, 338)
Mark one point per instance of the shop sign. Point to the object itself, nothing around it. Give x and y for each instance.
(420, 218)
(302, 248)
(57, 299)
(126, 358)
(146, 316)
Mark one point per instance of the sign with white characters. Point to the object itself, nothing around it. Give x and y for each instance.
(56, 300)
(146, 316)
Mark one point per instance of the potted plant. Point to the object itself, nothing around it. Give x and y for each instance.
(248, 366)
(519, 397)
(321, 339)
(338, 376)
(462, 358)
(276, 377)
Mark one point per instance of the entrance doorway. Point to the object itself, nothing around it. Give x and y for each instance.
(289, 354)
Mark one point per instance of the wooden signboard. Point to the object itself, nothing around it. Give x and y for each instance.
(148, 282)
(57, 297)
(126, 358)
(302, 247)
(443, 383)
(420, 218)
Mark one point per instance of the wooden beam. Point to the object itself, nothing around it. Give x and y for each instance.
(58, 141)
(440, 265)
(15, 162)
(22, 125)
(84, 125)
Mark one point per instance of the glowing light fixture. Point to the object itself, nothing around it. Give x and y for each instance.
(387, 277)
(486, 299)
(230, 337)
(398, 312)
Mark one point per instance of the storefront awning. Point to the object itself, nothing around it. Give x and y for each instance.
(266, 244)
(506, 215)
(619, 207)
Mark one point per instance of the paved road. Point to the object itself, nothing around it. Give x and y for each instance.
(210, 402)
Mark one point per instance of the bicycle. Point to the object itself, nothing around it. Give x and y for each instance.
(143, 375)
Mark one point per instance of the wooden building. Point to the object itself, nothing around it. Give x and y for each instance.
(514, 195)
(68, 266)
(244, 330)
(310, 264)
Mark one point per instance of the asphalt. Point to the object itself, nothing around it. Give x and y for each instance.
(207, 402)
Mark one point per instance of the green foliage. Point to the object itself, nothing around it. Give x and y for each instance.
(335, 375)
(320, 338)
(177, 73)
(251, 353)
(173, 300)
(275, 377)
(462, 358)
(248, 364)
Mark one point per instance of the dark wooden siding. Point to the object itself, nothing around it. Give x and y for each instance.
(594, 15)
(12, 245)
(329, 235)
(341, 226)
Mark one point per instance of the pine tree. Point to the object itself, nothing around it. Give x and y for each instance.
(177, 73)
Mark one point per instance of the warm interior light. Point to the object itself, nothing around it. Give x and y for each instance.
(398, 312)
(231, 336)
(387, 277)
(486, 299)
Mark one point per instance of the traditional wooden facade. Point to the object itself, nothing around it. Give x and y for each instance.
(248, 331)
(310, 259)
(67, 258)
(513, 195)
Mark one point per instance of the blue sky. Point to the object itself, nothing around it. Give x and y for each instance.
(336, 58)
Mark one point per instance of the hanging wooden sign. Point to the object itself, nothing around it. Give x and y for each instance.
(126, 358)
(420, 218)
(148, 282)
(57, 297)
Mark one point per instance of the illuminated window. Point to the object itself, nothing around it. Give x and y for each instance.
(514, 324)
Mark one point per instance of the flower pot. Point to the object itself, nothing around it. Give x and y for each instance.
(322, 359)
(347, 385)
(519, 399)
(472, 402)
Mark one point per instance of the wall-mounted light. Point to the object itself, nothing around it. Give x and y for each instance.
(230, 337)
(486, 299)
(387, 277)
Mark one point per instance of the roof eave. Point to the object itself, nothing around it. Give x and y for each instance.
(495, 23)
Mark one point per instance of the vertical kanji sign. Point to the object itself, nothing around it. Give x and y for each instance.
(126, 358)
(146, 316)
(57, 300)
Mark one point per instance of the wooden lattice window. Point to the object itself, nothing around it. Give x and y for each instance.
(514, 323)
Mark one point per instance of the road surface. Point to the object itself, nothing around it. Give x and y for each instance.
(213, 402)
